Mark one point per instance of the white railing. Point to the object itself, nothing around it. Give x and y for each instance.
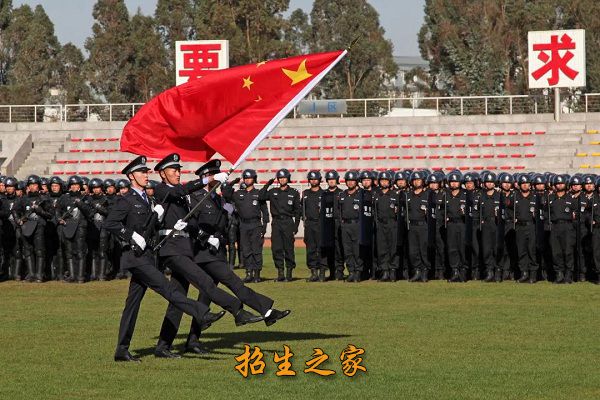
(408, 106)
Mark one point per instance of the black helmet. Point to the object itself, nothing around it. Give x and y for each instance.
(385, 175)
(96, 183)
(417, 175)
(399, 175)
(332, 175)
(365, 174)
(314, 175)
(538, 179)
(434, 178)
(75, 180)
(85, 180)
(351, 175)
(33, 179)
(108, 183)
(44, 181)
(587, 179)
(11, 181)
(470, 177)
(560, 179)
(56, 180)
(505, 178)
(523, 178)
(151, 184)
(575, 180)
(21, 185)
(123, 183)
(454, 177)
(283, 173)
(597, 183)
(249, 173)
(489, 177)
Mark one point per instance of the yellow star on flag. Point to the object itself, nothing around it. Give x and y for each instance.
(247, 83)
(299, 75)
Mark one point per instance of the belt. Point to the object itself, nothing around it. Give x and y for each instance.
(386, 220)
(456, 220)
(282, 217)
(524, 223)
(248, 220)
(349, 221)
(562, 221)
(166, 232)
(418, 223)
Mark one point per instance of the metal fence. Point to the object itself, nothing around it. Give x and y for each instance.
(410, 106)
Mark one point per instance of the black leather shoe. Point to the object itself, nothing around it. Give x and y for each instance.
(560, 278)
(280, 275)
(257, 278)
(416, 277)
(127, 357)
(490, 276)
(244, 317)
(165, 353)
(385, 277)
(524, 277)
(249, 276)
(196, 349)
(276, 315)
(339, 276)
(210, 318)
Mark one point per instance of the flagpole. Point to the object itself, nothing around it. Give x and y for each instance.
(190, 214)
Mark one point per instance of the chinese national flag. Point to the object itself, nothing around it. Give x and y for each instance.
(227, 112)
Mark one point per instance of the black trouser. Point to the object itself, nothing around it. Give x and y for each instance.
(233, 245)
(417, 246)
(475, 248)
(562, 239)
(12, 251)
(387, 235)
(596, 247)
(585, 249)
(508, 258)
(440, 249)
(351, 246)
(54, 251)
(252, 241)
(456, 244)
(98, 250)
(184, 268)
(489, 246)
(220, 273)
(312, 240)
(34, 252)
(143, 277)
(526, 241)
(282, 242)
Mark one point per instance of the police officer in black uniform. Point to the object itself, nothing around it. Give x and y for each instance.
(419, 217)
(11, 230)
(576, 190)
(331, 231)
(507, 256)
(350, 210)
(210, 255)
(561, 214)
(97, 234)
(311, 213)
(132, 220)
(488, 217)
(437, 196)
(123, 186)
(284, 202)
(402, 239)
(114, 245)
(74, 213)
(33, 212)
(54, 240)
(594, 222)
(233, 237)
(586, 256)
(385, 206)
(253, 223)
(367, 225)
(455, 218)
(543, 254)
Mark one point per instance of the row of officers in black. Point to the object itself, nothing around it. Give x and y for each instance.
(414, 225)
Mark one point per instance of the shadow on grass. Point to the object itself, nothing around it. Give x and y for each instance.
(217, 342)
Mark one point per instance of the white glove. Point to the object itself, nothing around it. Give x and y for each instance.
(221, 177)
(180, 225)
(139, 240)
(160, 211)
(214, 242)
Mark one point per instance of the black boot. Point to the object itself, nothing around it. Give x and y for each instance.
(569, 277)
(30, 265)
(313, 275)
(373, 274)
(544, 275)
(257, 278)
(71, 267)
(18, 269)
(81, 270)
(351, 277)
(405, 274)
(248, 277)
(385, 277)
(280, 275)
(416, 277)
(476, 275)
(40, 266)
(425, 275)
(339, 275)
(94, 272)
(560, 278)
(288, 274)
(582, 277)
(102, 269)
(439, 274)
(490, 276)
(59, 267)
(463, 274)
(456, 277)
(322, 275)
(532, 277)
(524, 277)
(505, 275)
(394, 275)
(498, 275)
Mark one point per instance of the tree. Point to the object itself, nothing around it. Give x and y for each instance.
(72, 82)
(174, 19)
(151, 68)
(109, 68)
(5, 44)
(368, 69)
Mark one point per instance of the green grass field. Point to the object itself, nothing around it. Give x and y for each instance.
(432, 341)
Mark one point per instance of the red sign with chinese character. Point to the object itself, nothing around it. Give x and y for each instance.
(197, 58)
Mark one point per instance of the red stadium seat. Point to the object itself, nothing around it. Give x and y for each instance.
(498, 133)
(379, 136)
(538, 133)
(445, 134)
(75, 139)
(392, 135)
(116, 139)
(74, 151)
(529, 155)
(513, 133)
(315, 147)
(394, 146)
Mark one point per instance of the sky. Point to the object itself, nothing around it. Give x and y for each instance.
(73, 20)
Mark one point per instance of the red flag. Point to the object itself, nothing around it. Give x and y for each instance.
(227, 112)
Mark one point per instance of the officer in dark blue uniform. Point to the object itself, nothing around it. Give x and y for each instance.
(311, 212)
(331, 234)
(134, 219)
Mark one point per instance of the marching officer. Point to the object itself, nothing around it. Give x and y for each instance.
(253, 223)
(419, 215)
(33, 212)
(561, 214)
(349, 204)
(284, 202)
(385, 207)
(311, 212)
(134, 220)
(97, 234)
(331, 231)
(74, 213)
